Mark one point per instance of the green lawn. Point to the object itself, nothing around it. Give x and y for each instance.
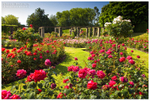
(143, 57)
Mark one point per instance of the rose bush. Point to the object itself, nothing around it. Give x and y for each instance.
(22, 58)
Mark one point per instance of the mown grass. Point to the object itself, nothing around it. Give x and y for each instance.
(143, 58)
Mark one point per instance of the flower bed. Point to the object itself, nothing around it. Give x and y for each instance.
(22, 58)
(111, 73)
(140, 44)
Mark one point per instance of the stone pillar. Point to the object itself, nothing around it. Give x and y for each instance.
(55, 29)
(93, 31)
(78, 31)
(42, 32)
(60, 31)
(11, 31)
(98, 31)
(90, 32)
(87, 32)
(70, 31)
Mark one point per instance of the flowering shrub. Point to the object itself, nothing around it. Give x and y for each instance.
(140, 44)
(27, 36)
(30, 60)
(119, 27)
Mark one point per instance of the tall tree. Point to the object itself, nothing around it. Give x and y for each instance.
(63, 18)
(137, 12)
(39, 18)
(76, 17)
(53, 19)
(97, 14)
(10, 20)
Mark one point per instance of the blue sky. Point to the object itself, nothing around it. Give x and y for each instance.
(23, 9)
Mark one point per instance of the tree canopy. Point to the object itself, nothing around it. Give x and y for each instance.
(39, 18)
(10, 20)
(137, 12)
(76, 17)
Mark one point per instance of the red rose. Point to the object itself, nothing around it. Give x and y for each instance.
(39, 91)
(82, 73)
(138, 56)
(91, 85)
(60, 95)
(131, 83)
(23, 28)
(39, 75)
(3, 49)
(31, 25)
(131, 61)
(129, 57)
(65, 80)
(75, 58)
(70, 68)
(93, 65)
(114, 78)
(100, 74)
(111, 83)
(30, 77)
(7, 51)
(53, 85)
(18, 61)
(21, 73)
(15, 97)
(75, 68)
(67, 87)
(5, 94)
(122, 59)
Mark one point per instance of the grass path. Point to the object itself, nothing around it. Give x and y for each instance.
(143, 57)
(61, 69)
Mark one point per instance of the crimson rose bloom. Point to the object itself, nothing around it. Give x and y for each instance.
(123, 79)
(91, 85)
(5, 94)
(92, 73)
(75, 68)
(39, 91)
(65, 80)
(39, 75)
(30, 77)
(3, 49)
(21, 73)
(82, 73)
(131, 61)
(129, 57)
(111, 83)
(18, 61)
(60, 95)
(15, 97)
(31, 25)
(70, 68)
(138, 56)
(121, 53)
(131, 83)
(122, 59)
(24, 28)
(67, 87)
(93, 65)
(114, 78)
(75, 58)
(47, 62)
(109, 56)
(100, 74)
